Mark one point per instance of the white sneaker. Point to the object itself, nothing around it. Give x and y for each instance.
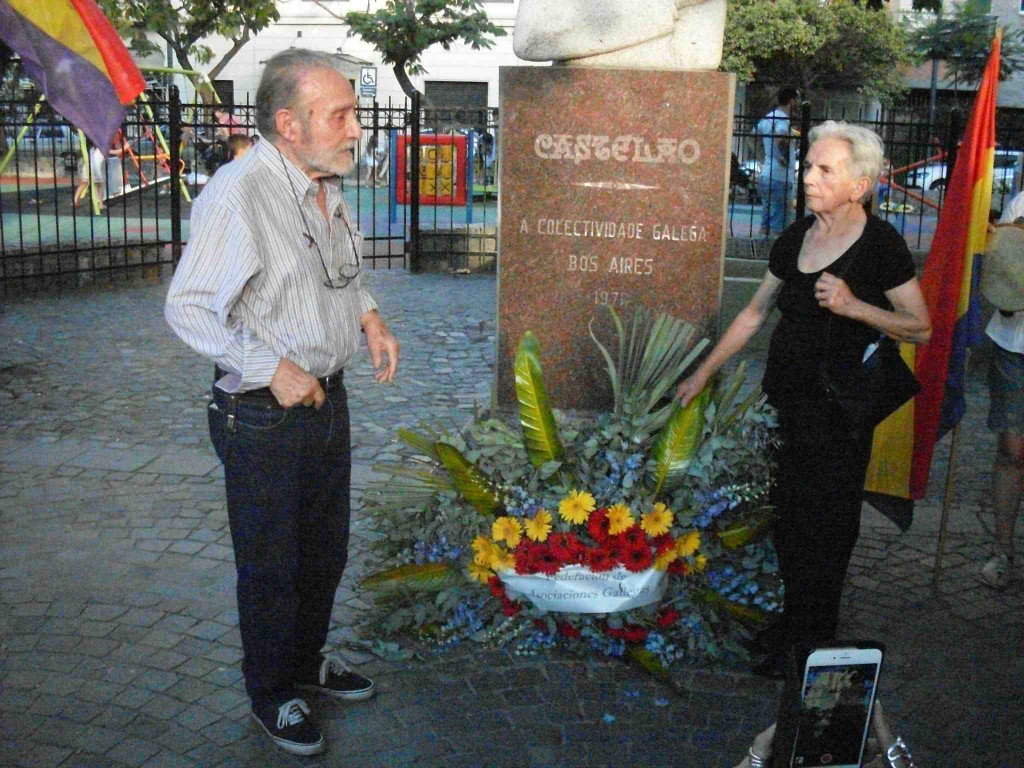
(997, 572)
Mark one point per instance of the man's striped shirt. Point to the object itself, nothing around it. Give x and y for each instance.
(250, 290)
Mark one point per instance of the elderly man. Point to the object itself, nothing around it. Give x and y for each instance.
(269, 288)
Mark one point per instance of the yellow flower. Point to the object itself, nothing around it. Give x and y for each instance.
(657, 521)
(701, 562)
(484, 551)
(503, 560)
(539, 526)
(576, 507)
(688, 544)
(662, 561)
(620, 519)
(507, 529)
(480, 573)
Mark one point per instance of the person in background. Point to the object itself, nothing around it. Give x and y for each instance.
(238, 145)
(96, 174)
(827, 324)
(776, 182)
(269, 289)
(1006, 419)
(227, 124)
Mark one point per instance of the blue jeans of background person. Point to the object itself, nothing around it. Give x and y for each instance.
(774, 205)
(287, 477)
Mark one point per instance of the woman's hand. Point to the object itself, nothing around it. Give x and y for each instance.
(835, 295)
(690, 387)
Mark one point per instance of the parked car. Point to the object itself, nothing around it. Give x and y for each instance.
(1007, 166)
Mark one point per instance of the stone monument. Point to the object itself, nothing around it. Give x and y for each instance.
(614, 184)
(651, 34)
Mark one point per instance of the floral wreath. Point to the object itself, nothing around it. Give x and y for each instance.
(636, 533)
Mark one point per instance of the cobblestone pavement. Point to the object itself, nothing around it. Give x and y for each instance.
(120, 644)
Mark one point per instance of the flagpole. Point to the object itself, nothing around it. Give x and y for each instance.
(954, 450)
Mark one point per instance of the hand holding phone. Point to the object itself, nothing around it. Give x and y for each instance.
(837, 698)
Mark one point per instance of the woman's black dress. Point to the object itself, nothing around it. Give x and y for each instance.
(821, 466)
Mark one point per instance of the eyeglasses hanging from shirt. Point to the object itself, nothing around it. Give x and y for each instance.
(346, 272)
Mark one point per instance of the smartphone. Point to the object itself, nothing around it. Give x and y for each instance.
(836, 700)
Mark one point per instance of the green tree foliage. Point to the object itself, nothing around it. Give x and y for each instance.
(962, 39)
(403, 29)
(816, 45)
(186, 24)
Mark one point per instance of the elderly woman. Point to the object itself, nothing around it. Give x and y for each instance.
(840, 278)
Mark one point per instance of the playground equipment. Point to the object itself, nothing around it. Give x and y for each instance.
(161, 154)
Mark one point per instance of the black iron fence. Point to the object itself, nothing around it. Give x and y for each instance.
(72, 214)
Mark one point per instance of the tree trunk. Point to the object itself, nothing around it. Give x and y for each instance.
(227, 57)
(404, 81)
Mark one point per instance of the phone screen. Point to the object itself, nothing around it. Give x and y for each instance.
(834, 711)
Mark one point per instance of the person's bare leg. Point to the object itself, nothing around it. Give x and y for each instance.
(1007, 476)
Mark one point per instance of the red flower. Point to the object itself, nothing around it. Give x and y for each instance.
(565, 629)
(597, 525)
(635, 536)
(667, 617)
(615, 548)
(526, 558)
(565, 547)
(663, 544)
(577, 549)
(546, 561)
(509, 607)
(600, 561)
(631, 633)
(496, 585)
(638, 558)
(679, 568)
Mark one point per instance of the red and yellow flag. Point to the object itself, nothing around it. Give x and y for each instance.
(79, 61)
(903, 444)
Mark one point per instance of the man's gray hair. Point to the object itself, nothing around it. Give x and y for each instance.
(281, 84)
(867, 154)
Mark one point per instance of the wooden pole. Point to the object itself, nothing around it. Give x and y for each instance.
(954, 449)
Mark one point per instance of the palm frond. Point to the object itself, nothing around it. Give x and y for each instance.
(745, 613)
(743, 532)
(475, 487)
(428, 577)
(678, 442)
(540, 432)
(645, 364)
(422, 443)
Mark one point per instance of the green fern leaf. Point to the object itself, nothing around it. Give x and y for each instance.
(474, 485)
(540, 433)
(677, 444)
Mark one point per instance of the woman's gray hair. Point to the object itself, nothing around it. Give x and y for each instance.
(867, 154)
(281, 84)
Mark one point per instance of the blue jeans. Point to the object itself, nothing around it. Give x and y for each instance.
(287, 477)
(775, 213)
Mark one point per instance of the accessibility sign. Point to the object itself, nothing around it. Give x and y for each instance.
(368, 82)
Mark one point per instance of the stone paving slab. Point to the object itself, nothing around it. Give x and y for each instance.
(118, 630)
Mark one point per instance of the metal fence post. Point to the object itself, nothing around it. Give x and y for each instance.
(414, 186)
(952, 142)
(174, 128)
(805, 129)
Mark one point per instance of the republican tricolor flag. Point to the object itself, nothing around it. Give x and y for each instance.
(903, 444)
(79, 61)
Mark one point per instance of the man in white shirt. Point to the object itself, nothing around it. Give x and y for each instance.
(1006, 418)
(269, 289)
